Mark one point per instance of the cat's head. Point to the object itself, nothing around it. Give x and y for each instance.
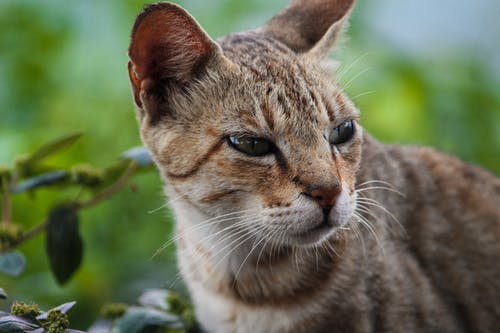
(250, 127)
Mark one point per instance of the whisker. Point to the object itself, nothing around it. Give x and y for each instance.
(358, 234)
(346, 69)
(275, 232)
(266, 239)
(245, 236)
(203, 224)
(378, 181)
(361, 190)
(152, 211)
(377, 204)
(364, 222)
(362, 94)
(355, 77)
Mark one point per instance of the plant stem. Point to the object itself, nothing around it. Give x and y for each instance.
(111, 190)
(98, 198)
(33, 232)
(6, 202)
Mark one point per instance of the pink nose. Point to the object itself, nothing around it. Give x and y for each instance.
(325, 196)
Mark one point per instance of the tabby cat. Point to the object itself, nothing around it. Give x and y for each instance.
(290, 218)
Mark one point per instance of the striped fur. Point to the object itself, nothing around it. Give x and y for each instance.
(412, 243)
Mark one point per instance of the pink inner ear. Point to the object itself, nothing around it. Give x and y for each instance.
(167, 43)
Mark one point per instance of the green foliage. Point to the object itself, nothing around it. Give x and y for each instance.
(25, 317)
(10, 234)
(113, 310)
(63, 242)
(146, 317)
(25, 164)
(27, 311)
(58, 321)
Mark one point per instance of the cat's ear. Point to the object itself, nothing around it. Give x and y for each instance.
(310, 26)
(168, 50)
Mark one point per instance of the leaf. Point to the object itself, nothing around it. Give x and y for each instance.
(139, 319)
(15, 324)
(64, 308)
(52, 147)
(140, 155)
(64, 244)
(100, 326)
(3, 294)
(156, 298)
(12, 263)
(38, 330)
(49, 178)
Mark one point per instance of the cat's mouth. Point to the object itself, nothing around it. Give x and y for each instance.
(314, 233)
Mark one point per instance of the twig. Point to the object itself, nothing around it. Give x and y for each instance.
(98, 198)
(111, 190)
(6, 202)
(33, 232)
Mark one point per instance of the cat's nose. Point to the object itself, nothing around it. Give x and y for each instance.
(325, 196)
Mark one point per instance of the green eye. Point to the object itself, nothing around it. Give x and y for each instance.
(342, 134)
(251, 146)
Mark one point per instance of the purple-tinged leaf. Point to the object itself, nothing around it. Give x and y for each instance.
(15, 324)
(102, 325)
(64, 308)
(45, 179)
(12, 263)
(156, 298)
(138, 318)
(140, 155)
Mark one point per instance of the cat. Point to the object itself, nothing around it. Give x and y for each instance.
(289, 217)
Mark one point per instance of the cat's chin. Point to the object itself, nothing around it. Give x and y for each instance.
(315, 235)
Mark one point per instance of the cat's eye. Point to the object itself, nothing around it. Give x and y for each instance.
(251, 146)
(342, 133)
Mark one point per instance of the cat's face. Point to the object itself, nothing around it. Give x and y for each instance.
(250, 129)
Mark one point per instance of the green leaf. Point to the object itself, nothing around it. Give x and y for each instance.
(3, 294)
(12, 263)
(142, 319)
(140, 155)
(15, 324)
(46, 179)
(52, 147)
(64, 244)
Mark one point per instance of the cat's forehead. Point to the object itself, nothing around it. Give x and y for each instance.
(266, 59)
(284, 87)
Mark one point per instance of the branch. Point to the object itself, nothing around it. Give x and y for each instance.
(111, 190)
(6, 202)
(98, 198)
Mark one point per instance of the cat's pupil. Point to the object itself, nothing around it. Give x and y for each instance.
(342, 133)
(251, 146)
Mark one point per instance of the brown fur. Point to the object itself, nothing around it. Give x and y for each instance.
(420, 251)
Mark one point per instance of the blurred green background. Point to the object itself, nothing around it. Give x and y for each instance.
(63, 69)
